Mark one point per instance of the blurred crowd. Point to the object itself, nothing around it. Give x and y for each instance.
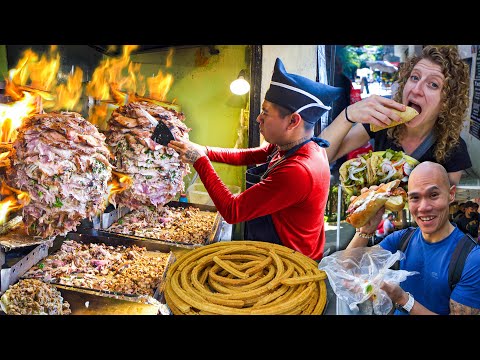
(466, 218)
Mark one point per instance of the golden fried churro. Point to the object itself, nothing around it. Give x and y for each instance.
(245, 277)
(303, 279)
(229, 268)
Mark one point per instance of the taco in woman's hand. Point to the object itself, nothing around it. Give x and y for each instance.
(405, 116)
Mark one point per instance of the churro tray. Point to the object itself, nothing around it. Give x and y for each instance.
(261, 279)
(213, 236)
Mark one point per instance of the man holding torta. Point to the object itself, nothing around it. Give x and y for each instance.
(436, 85)
(437, 287)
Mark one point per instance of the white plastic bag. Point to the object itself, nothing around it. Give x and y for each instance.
(355, 276)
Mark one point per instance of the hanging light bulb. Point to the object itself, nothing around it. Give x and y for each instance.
(240, 86)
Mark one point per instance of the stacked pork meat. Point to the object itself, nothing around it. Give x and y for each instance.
(156, 170)
(62, 161)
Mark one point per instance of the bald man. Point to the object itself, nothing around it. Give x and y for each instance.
(429, 250)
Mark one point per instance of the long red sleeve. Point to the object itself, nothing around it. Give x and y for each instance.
(240, 156)
(294, 193)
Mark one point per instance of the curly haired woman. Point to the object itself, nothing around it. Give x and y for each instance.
(435, 84)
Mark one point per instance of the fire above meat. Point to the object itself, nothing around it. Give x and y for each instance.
(156, 170)
(13, 199)
(61, 160)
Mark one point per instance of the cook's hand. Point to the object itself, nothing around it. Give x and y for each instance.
(375, 110)
(189, 151)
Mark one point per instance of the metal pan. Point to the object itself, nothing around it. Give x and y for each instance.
(151, 246)
(214, 235)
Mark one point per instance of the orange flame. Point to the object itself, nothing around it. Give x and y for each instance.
(68, 95)
(13, 200)
(97, 113)
(169, 58)
(109, 74)
(39, 76)
(119, 182)
(12, 115)
(158, 86)
(164, 104)
(134, 82)
(4, 160)
(21, 74)
(44, 72)
(41, 73)
(119, 97)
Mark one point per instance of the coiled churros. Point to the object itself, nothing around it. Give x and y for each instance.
(245, 278)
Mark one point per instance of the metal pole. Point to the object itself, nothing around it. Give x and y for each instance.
(339, 208)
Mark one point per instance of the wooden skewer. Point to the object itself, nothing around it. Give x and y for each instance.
(10, 225)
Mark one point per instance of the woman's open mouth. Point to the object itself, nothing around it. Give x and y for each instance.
(415, 106)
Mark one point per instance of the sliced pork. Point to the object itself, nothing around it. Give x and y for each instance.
(156, 170)
(62, 161)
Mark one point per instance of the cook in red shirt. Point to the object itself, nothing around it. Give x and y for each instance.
(286, 195)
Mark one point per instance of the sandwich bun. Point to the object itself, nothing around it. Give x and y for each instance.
(396, 201)
(365, 206)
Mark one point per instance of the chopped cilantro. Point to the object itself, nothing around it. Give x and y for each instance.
(58, 203)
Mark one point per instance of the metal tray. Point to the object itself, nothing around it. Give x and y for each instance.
(18, 238)
(88, 303)
(119, 303)
(213, 237)
(16, 263)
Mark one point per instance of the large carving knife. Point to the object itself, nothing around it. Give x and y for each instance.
(162, 133)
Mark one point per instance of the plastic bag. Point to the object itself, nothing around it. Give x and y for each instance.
(355, 276)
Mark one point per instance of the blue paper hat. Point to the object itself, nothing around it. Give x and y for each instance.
(301, 95)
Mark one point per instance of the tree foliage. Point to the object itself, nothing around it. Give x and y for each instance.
(356, 57)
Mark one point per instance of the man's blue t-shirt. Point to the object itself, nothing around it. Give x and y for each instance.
(430, 287)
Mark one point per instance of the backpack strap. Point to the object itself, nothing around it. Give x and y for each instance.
(424, 146)
(457, 261)
(402, 245)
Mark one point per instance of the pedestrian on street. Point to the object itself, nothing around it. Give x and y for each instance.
(365, 84)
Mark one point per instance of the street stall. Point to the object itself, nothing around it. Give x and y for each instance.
(91, 223)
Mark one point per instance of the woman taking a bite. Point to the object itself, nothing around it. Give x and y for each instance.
(435, 84)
